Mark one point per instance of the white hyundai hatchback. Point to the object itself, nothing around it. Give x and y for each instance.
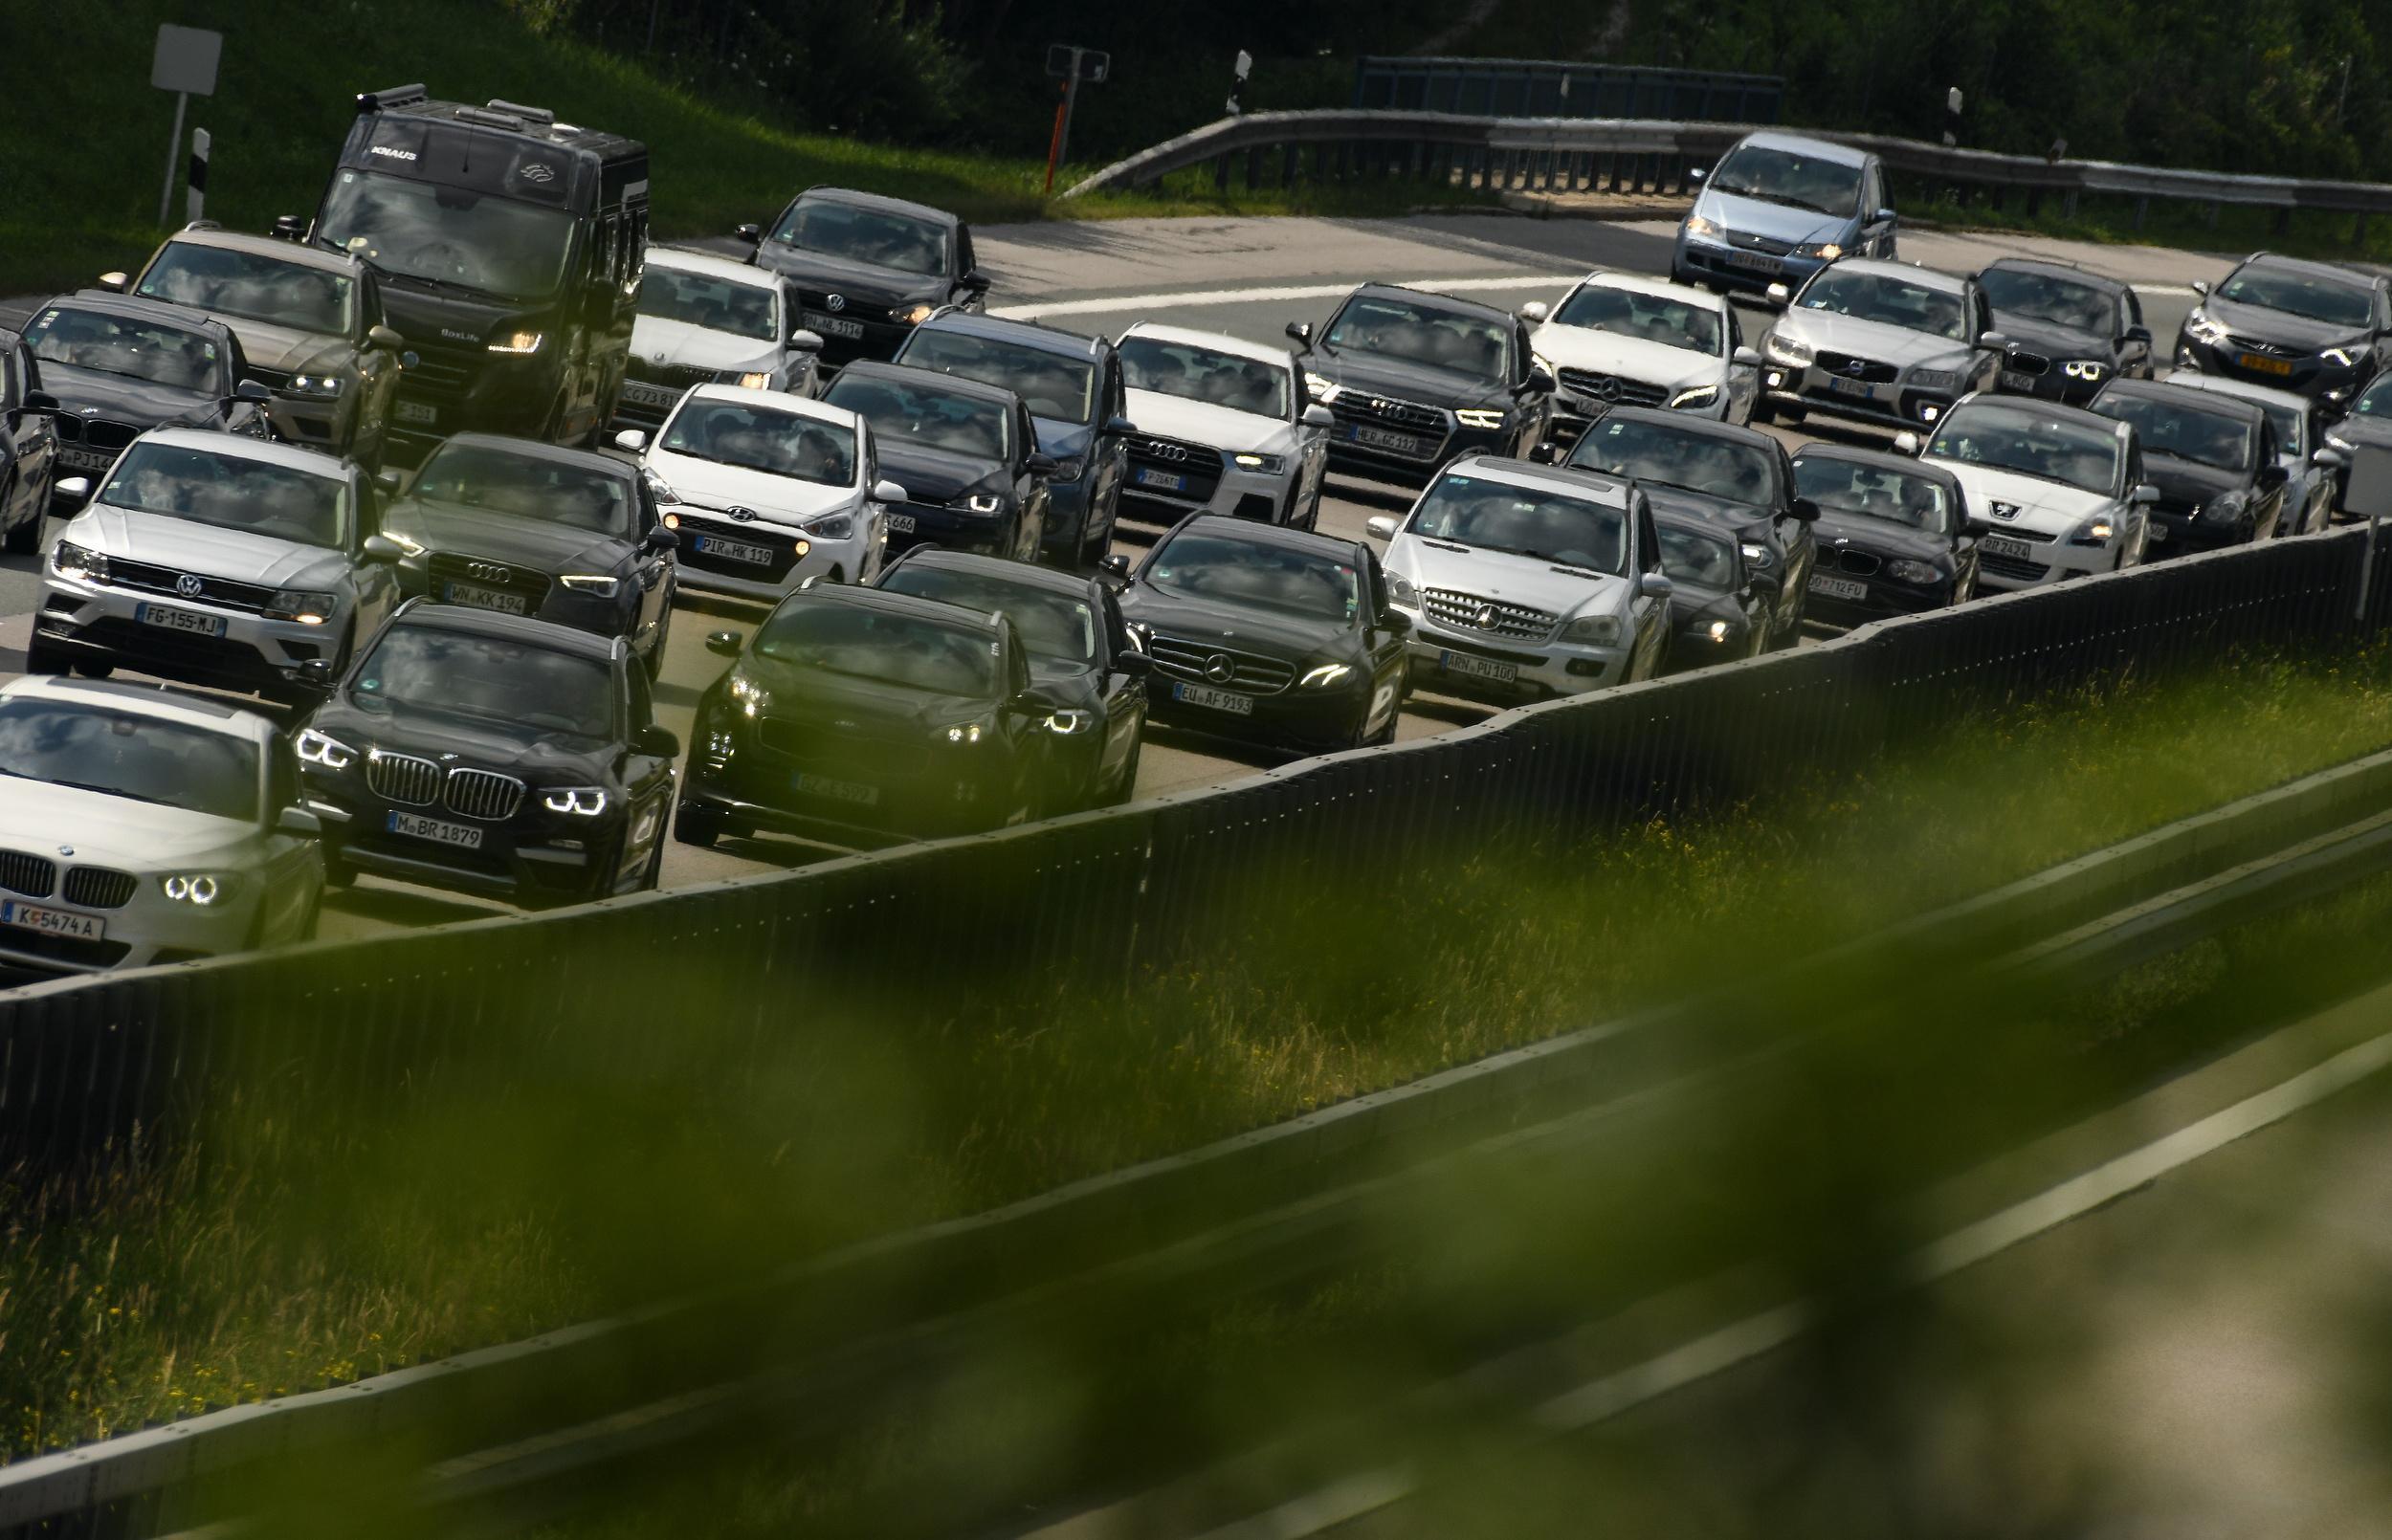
(1617, 340)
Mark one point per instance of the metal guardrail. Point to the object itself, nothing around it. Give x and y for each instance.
(1560, 88)
(1654, 155)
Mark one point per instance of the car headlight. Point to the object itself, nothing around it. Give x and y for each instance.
(2095, 531)
(748, 693)
(838, 526)
(985, 502)
(2201, 329)
(197, 887)
(751, 380)
(1759, 555)
(1483, 419)
(912, 315)
(1698, 224)
(1787, 350)
(964, 732)
(2341, 358)
(313, 386)
(308, 607)
(658, 486)
(1593, 630)
(324, 749)
(1823, 251)
(1268, 464)
(518, 343)
(68, 560)
(1942, 379)
(1399, 591)
(2084, 368)
(1716, 630)
(1071, 723)
(585, 801)
(1322, 677)
(2338, 441)
(1907, 571)
(591, 583)
(1067, 471)
(1320, 386)
(407, 544)
(1697, 396)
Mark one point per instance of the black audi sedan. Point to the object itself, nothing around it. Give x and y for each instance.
(1719, 608)
(1274, 635)
(865, 270)
(519, 528)
(1082, 663)
(2213, 458)
(1738, 476)
(1415, 379)
(492, 754)
(965, 452)
(2067, 331)
(1893, 534)
(114, 366)
(29, 447)
(856, 711)
(2314, 328)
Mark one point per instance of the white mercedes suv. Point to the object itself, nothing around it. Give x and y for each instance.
(2053, 492)
(1224, 426)
(1526, 582)
(1617, 340)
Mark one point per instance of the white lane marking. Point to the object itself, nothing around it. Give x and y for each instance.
(2178, 289)
(1247, 297)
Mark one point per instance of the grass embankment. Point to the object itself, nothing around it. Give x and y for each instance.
(663, 1154)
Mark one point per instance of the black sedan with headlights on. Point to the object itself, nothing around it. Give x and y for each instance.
(491, 754)
(2312, 328)
(519, 528)
(1415, 379)
(1718, 606)
(865, 270)
(2213, 458)
(2066, 330)
(966, 453)
(1269, 634)
(1893, 534)
(1082, 663)
(854, 711)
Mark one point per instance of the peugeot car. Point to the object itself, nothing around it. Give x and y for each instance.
(2055, 492)
(492, 754)
(706, 320)
(2313, 466)
(29, 447)
(866, 269)
(1879, 343)
(967, 454)
(1525, 582)
(1224, 426)
(2213, 458)
(1412, 379)
(1273, 635)
(1617, 340)
(2066, 332)
(1720, 611)
(1778, 207)
(1893, 534)
(2311, 328)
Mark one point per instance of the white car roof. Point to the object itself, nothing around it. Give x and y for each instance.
(1659, 288)
(242, 447)
(157, 702)
(711, 265)
(2193, 379)
(780, 400)
(1930, 278)
(1575, 481)
(1219, 342)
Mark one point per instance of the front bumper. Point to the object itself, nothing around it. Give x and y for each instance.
(2051, 559)
(312, 423)
(1503, 671)
(149, 927)
(1828, 595)
(1308, 721)
(700, 569)
(1702, 259)
(953, 529)
(2177, 532)
(2310, 376)
(104, 625)
(1893, 404)
(536, 856)
(761, 789)
(1236, 492)
(1414, 464)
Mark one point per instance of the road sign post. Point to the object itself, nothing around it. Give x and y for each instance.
(185, 63)
(1245, 66)
(1074, 65)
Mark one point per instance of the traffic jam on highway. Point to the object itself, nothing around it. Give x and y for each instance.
(404, 499)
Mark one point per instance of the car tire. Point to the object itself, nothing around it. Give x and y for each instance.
(338, 876)
(693, 823)
(22, 539)
(93, 670)
(41, 657)
(1127, 786)
(1762, 415)
(654, 662)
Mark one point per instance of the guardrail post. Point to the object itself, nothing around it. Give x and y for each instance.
(2284, 220)
(2142, 209)
(1288, 164)
(2067, 205)
(2215, 205)
(1221, 175)
(1253, 168)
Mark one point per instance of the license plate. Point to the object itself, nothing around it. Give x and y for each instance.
(495, 600)
(2265, 364)
(900, 523)
(1225, 700)
(1996, 545)
(758, 556)
(415, 411)
(838, 791)
(85, 459)
(833, 325)
(1755, 262)
(1858, 389)
(179, 620)
(1379, 438)
(1477, 668)
(52, 921)
(1164, 480)
(1838, 588)
(648, 395)
(438, 831)
(2013, 380)
(2156, 532)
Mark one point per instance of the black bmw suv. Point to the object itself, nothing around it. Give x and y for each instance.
(1415, 379)
(2066, 331)
(864, 271)
(965, 452)
(2312, 328)
(492, 754)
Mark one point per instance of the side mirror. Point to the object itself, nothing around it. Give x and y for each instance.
(1779, 293)
(2331, 459)
(1120, 426)
(1906, 443)
(1040, 463)
(1395, 623)
(384, 338)
(1992, 340)
(1975, 528)
(40, 401)
(806, 341)
(1317, 415)
(2200, 287)
(631, 441)
(657, 741)
(1302, 331)
(1699, 173)
(382, 548)
(2273, 477)
(662, 538)
(1746, 358)
(250, 391)
(1803, 510)
(752, 234)
(1535, 310)
(1132, 662)
(885, 490)
(298, 821)
(724, 644)
(75, 487)
(290, 227)
(2138, 334)
(1539, 383)
(1117, 565)
(1380, 526)
(388, 481)
(1656, 585)
(977, 281)
(1885, 216)
(2144, 494)
(112, 280)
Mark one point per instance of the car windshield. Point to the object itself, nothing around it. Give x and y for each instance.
(137, 348)
(876, 238)
(199, 486)
(929, 414)
(2031, 443)
(1060, 389)
(499, 679)
(2048, 297)
(1888, 299)
(1235, 572)
(423, 230)
(1789, 177)
(716, 304)
(1698, 557)
(2375, 401)
(147, 758)
(912, 652)
(2185, 431)
(1194, 372)
(2291, 438)
(1864, 491)
(762, 438)
(1678, 456)
(250, 286)
(528, 486)
(1050, 625)
(2311, 296)
(1503, 515)
(1417, 333)
(1648, 318)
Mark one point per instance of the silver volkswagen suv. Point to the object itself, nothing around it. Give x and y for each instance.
(216, 559)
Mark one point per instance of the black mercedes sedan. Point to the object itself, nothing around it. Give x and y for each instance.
(2312, 328)
(864, 271)
(1719, 608)
(1274, 635)
(29, 447)
(966, 453)
(2067, 331)
(519, 528)
(1893, 534)
(114, 367)
(2213, 458)
(1415, 379)
(492, 754)
(1738, 476)
(853, 712)
(1082, 663)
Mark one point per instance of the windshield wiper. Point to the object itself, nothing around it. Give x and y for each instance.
(1441, 545)
(111, 791)
(1567, 567)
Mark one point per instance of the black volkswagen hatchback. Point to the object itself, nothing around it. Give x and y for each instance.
(965, 452)
(492, 754)
(1892, 532)
(865, 270)
(1275, 635)
(858, 711)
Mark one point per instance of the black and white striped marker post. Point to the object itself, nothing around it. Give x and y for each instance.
(195, 196)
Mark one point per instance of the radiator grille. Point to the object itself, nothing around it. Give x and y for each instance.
(100, 887)
(1183, 658)
(402, 778)
(1450, 607)
(29, 874)
(483, 794)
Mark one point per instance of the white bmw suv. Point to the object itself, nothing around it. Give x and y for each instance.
(1526, 582)
(1224, 426)
(2053, 492)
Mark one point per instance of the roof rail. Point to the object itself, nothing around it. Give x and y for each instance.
(397, 96)
(532, 115)
(489, 119)
(204, 224)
